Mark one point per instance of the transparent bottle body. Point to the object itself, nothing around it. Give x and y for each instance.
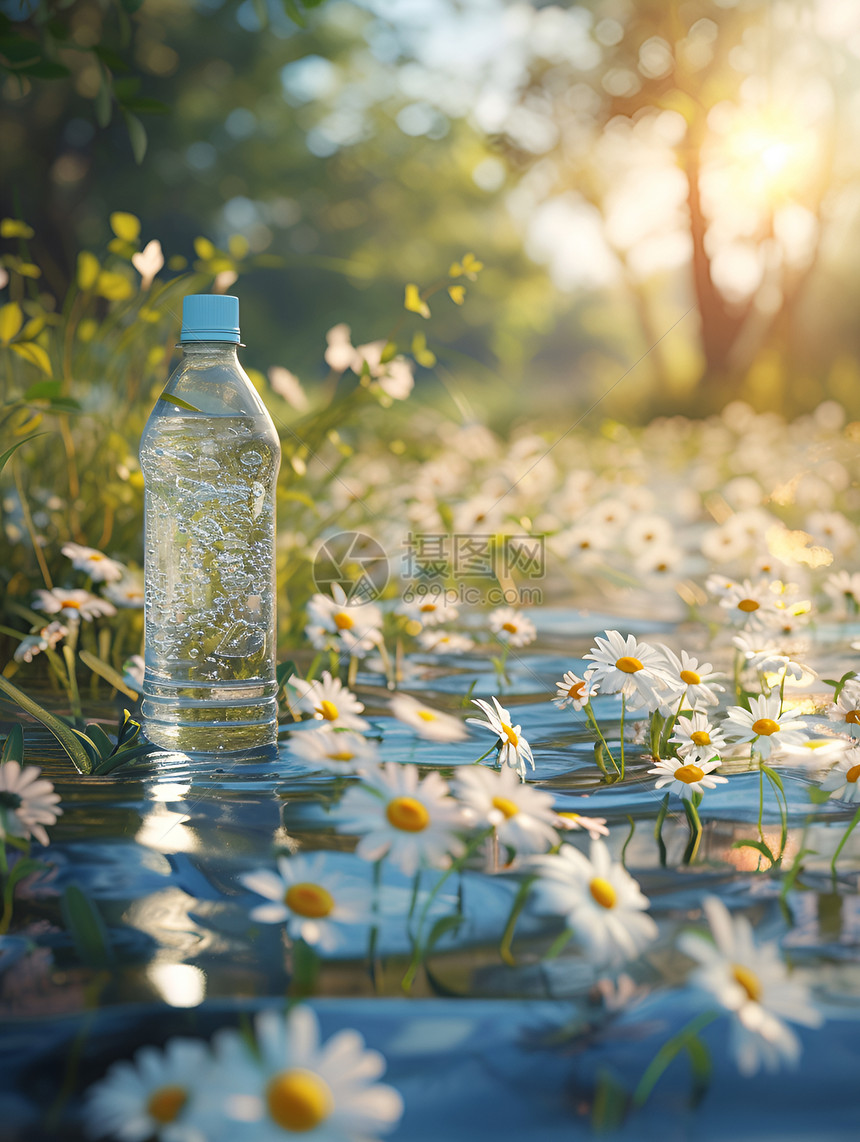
(210, 474)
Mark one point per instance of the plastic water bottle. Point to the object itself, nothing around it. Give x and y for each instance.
(210, 457)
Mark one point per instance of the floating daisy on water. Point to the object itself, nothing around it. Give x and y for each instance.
(764, 725)
(514, 750)
(523, 817)
(153, 1097)
(329, 701)
(694, 682)
(73, 604)
(512, 627)
(751, 981)
(430, 610)
(413, 823)
(570, 821)
(697, 739)
(445, 642)
(749, 602)
(427, 722)
(846, 708)
(599, 899)
(311, 898)
(843, 780)
(338, 751)
(27, 802)
(97, 565)
(684, 778)
(293, 1084)
(626, 666)
(574, 692)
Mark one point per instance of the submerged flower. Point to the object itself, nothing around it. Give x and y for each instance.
(523, 817)
(843, 780)
(697, 739)
(338, 751)
(329, 701)
(514, 750)
(311, 898)
(294, 1085)
(598, 898)
(512, 627)
(632, 668)
(413, 823)
(751, 981)
(574, 692)
(96, 564)
(427, 722)
(684, 778)
(72, 603)
(27, 802)
(153, 1097)
(764, 725)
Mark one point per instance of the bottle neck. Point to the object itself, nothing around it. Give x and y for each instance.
(199, 351)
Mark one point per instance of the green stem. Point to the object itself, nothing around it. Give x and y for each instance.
(658, 1065)
(627, 841)
(695, 824)
(658, 830)
(623, 713)
(854, 823)
(487, 754)
(505, 944)
(589, 713)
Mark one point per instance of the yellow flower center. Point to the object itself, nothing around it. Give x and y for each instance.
(309, 900)
(691, 677)
(628, 665)
(344, 755)
(688, 774)
(748, 980)
(407, 814)
(343, 621)
(95, 557)
(327, 710)
(700, 737)
(166, 1103)
(748, 605)
(577, 691)
(426, 715)
(511, 628)
(603, 892)
(853, 716)
(853, 774)
(299, 1100)
(510, 735)
(765, 727)
(427, 608)
(71, 605)
(505, 806)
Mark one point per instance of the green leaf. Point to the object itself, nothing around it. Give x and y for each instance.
(284, 671)
(19, 870)
(98, 666)
(442, 927)
(64, 734)
(104, 101)
(609, 1105)
(33, 353)
(137, 136)
(131, 6)
(87, 929)
(110, 59)
(759, 846)
(100, 740)
(19, 50)
(123, 757)
(44, 69)
(818, 796)
(388, 353)
(178, 402)
(13, 747)
(43, 390)
(292, 10)
(128, 731)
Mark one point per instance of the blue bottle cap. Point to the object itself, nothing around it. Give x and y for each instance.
(210, 317)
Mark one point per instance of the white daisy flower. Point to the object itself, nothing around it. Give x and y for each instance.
(329, 701)
(767, 657)
(522, 816)
(128, 592)
(45, 639)
(152, 1097)
(27, 802)
(512, 627)
(647, 533)
(338, 751)
(73, 604)
(684, 778)
(335, 623)
(693, 682)
(846, 708)
(445, 642)
(574, 692)
(764, 725)
(293, 1084)
(310, 898)
(429, 610)
(697, 738)
(148, 262)
(720, 586)
(842, 780)
(751, 981)
(843, 588)
(133, 670)
(514, 750)
(96, 564)
(749, 603)
(632, 668)
(427, 722)
(340, 353)
(413, 823)
(570, 821)
(599, 899)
